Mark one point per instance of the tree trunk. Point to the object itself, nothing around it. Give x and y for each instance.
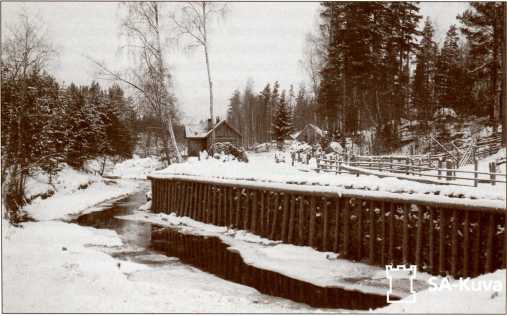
(210, 83)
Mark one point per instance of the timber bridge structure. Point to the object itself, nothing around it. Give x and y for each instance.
(450, 237)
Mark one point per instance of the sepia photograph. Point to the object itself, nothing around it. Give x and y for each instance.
(253, 157)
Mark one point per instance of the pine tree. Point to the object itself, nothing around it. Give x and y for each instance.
(484, 27)
(265, 108)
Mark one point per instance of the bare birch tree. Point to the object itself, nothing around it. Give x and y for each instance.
(192, 21)
(152, 79)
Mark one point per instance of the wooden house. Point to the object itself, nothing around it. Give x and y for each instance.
(310, 134)
(198, 136)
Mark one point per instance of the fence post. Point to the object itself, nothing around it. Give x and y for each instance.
(407, 172)
(476, 175)
(448, 174)
(439, 167)
(492, 171)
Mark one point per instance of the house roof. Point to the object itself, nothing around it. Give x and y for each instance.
(199, 131)
(314, 127)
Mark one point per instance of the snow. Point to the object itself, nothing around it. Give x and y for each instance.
(137, 168)
(336, 147)
(319, 268)
(262, 171)
(454, 301)
(73, 201)
(56, 267)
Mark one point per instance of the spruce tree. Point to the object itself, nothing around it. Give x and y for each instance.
(282, 121)
(423, 97)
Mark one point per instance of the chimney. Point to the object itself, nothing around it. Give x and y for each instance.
(209, 124)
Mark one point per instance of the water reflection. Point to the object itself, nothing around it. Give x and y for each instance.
(211, 255)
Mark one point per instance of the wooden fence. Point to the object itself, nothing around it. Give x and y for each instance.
(440, 238)
(445, 170)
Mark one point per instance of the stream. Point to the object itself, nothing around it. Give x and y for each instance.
(155, 245)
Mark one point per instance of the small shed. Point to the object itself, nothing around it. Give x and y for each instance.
(310, 134)
(199, 136)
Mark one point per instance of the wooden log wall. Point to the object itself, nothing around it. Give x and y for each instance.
(446, 240)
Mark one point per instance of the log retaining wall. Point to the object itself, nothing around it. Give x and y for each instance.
(440, 238)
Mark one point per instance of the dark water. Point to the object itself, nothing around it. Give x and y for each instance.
(211, 255)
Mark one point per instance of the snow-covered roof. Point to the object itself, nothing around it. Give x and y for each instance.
(200, 130)
(315, 128)
(196, 130)
(295, 135)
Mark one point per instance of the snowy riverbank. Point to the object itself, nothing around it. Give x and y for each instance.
(51, 266)
(56, 267)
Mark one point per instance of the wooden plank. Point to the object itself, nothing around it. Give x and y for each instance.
(214, 207)
(275, 210)
(198, 205)
(418, 237)
(373, 235)
(383, 233)
(285, 217)
(489, 243)
(359, 214)
(325, 218)
(311, 228)
(405, 241)
(454, 242)
(231, 207)
(476, 253)
(165, 196)
(238, 208)
(292, 214)
(431, 241)
(505, 241)
(262, 229)
(390, 252)
(246, 209)
(175, 194)
(441, 241)
(301, 221)
(346, 228)
(336, 232)
(211, 198)
(253, 197)
(220, 206)
(466, 241)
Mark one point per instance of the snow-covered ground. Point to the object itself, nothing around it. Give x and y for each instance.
(456, 300)
(54, 266)
(136, 168)
(73, 193)
(262, 169)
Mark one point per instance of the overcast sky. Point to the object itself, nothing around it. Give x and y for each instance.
(261, 41)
